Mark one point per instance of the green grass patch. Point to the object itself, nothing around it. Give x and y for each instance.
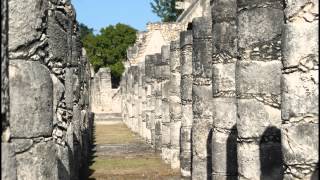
(114, 134)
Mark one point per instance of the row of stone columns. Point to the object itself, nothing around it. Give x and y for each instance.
(49, 127)
(240, 93)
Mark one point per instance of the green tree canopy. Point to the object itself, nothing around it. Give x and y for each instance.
(165, 9)
(84, 30)
(109, 47)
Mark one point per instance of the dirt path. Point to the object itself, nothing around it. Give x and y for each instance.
(119, 154)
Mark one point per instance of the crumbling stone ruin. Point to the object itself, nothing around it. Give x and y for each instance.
(241, 92)
(46, 122)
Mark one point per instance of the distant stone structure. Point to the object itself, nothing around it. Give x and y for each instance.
(101, 91)
(46, 123)
(105, 101)
(229, 91)
(241, 93)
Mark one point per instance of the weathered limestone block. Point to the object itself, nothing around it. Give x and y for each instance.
(31, 99)
(8, 162)
(299, 93)
(258, 73)
(39, 162)
(72, 92)
(59, 111)
(300, 81)
(250, 73)
(186, 100)
(201, 98)
(26, 22)
(175, 103)
(76, 49)
(58, 37)
(264, 116)
(223, 78)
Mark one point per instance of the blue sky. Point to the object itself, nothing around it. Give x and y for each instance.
(101, 13)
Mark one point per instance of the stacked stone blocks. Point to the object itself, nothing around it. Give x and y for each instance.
(241, 93)
(49, 81)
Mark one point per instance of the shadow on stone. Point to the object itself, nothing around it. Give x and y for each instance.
(209, 155)
(232, 157)
(271, 159)
(76, 157)
(62, 171)
(91, 150)
(71, 161)
(315, 175)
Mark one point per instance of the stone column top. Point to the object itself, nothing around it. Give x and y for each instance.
(202, 27)
(186, 38)
(104, 70)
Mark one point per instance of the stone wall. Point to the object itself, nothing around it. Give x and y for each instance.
(241, 93)
(47, 132)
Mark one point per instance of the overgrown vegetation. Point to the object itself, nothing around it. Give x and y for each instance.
(108, 48)
(166, 10)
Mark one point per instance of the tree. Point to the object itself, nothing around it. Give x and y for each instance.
(84, 30)
(166, 10)
(109, 48)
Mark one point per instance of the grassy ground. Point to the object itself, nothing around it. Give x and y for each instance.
(137, 165)
(114, 134)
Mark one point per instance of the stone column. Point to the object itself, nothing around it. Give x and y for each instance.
(139, 101)
(152, 103)
(105, 89)
(175, 103)
(258, 73)
(165, 116)
(201, 98)
(186, 100)
(300, 83)
(224, 57)
(125, 98)
(130, 98)
(135, 99)
(8, 160)
(157, 102)
(142, 100)
(149, 70)
(95, 93)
